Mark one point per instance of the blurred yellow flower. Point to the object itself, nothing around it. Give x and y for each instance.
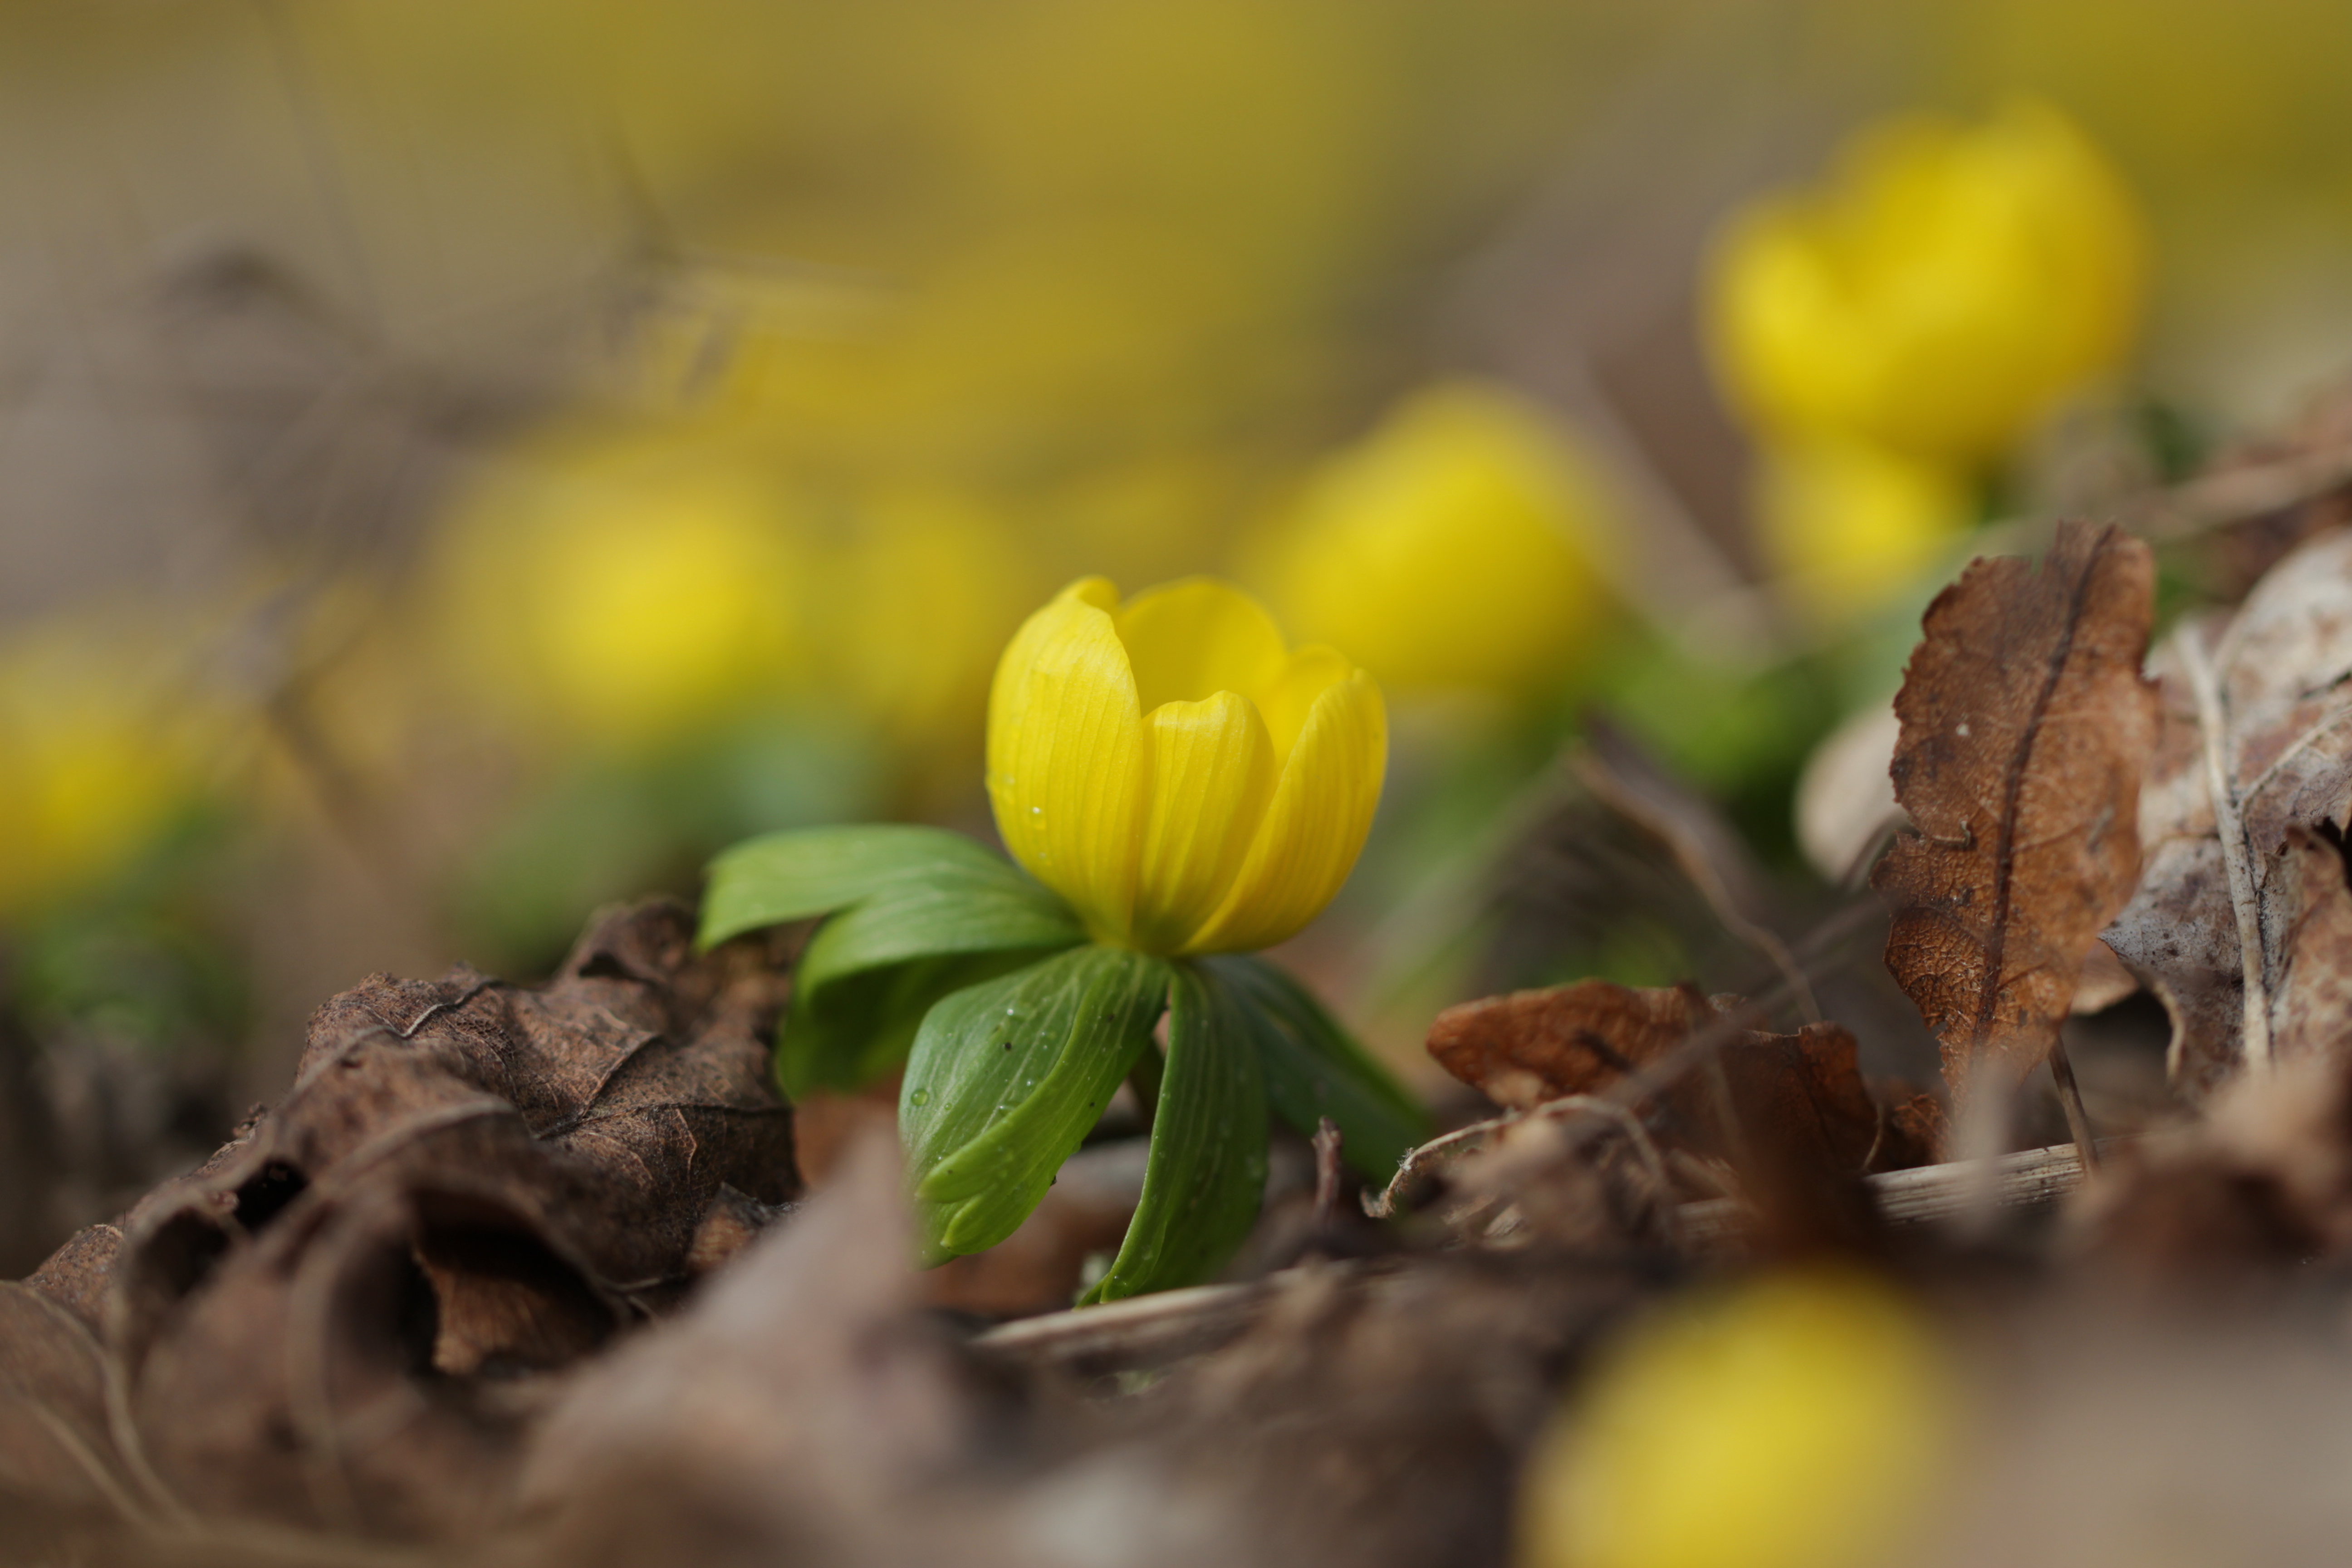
(916, 598)
(1453, 547)
(1187, 781)
(1938, 295)
(1847, 527)
(102, 741)
(1795, 1421)
(624, 591)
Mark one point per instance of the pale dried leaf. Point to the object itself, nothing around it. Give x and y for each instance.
(2221, 882)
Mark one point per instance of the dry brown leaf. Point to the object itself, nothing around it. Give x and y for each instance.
(802, 1397)
(2236, 884)
(55, 1443)
(1805, 1089)
(350, 1317)
(2026, 725)
(1533, 1046)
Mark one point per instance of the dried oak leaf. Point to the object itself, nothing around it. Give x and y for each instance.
(1807, 1089)
(2026, 725)
(350, 1317)
(2264, 706)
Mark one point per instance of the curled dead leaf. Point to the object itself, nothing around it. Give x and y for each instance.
(352, 1315)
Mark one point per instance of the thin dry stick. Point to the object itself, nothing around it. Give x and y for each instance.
(1327, 1142)
(2212, 720)
(1619, 1097)
(1478, 1133)
(2070, 1096)
(2210, 500)
(1699, 866)
(2295, 748)
(1636, 1087)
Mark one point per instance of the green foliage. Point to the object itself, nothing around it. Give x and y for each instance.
(844, 1031)
(1206, 1174)
(146, 959)
(615, 827)
(922, 913)
(1016, 1030)
(1313, 1068)
(1005, 1080)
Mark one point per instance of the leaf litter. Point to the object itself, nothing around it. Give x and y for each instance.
(2026, 725)
(2244, 811)
(526, 1275)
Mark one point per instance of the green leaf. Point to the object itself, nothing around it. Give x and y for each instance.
(1314, 1070)
(924, 913)
(1205, 1175)
(1006, 1079)
(931, 875)
(844, 1031)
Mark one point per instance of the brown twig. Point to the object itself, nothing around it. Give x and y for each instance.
(2070, 1096)
(2212, 718)
(1697, 845)
(1327, 1142)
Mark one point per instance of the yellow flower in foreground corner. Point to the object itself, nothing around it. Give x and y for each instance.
(1938, 295)
(1797, 1421)
(1170, 768)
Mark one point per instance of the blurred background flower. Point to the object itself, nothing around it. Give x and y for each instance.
(467, 462)
(1450, 548)
(1943, 291)
(1799, 1420)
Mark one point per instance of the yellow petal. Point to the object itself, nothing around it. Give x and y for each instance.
(1286, 700)
(1065, 755)
(1193, 639)
(1211, 772)
(1314, 828)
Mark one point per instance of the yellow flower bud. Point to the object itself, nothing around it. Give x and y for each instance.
(1937, 296)
(1187, 781)
(1847, 528)
(1795, 1422)
(1452, 548)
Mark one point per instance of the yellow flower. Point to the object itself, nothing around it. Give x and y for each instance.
(1848, 527)
(1170, 768)
(1938, 295)
(627, 589)
(103, 740)
(1452, 548)
(1796, 1422)
(909, 608)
